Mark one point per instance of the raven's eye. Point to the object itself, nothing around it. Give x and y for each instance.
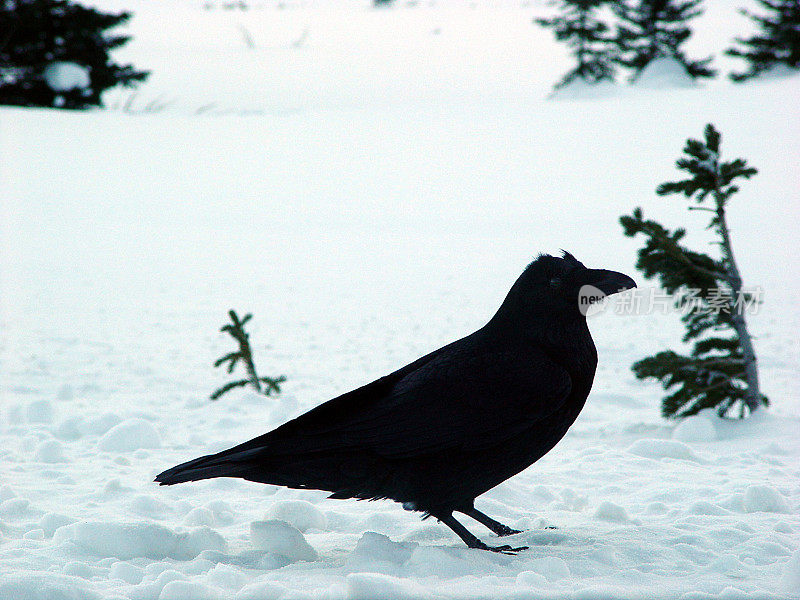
(555, 282)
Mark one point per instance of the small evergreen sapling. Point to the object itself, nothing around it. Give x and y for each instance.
(652, 29)
(236, 329)
(580, 27)
(721, 371)
(778, 42)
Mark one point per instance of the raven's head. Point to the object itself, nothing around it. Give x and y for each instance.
(562, 286)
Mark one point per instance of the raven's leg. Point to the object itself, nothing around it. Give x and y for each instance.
(470, 540)
(494, 526)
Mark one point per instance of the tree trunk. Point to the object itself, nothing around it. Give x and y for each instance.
(753, 394)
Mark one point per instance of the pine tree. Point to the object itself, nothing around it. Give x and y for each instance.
(778, 42)
(37, 35)
(580, 27)
(721, 371)
(652, 29)
(236, 330)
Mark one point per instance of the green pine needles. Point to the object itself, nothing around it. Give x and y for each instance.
(652, 29)
(37, 36)
(587, 36)
(778, 41)
(721, 371)
(236, 330)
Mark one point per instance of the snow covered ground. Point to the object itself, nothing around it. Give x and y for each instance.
(369, 184)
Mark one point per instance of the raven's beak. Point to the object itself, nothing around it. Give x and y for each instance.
(609, 282)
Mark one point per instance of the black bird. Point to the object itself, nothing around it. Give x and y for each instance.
(451, 425)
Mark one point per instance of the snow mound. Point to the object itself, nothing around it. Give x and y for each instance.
(376, 552)
(299, 514)
(188, 590)
(128, 436)
(763, 498)
(376, 586)
(450, 562)
(664, 73)
(278, 537)
(50, 522)
(263, 590)
(531, 579)
(65, 76)
(697, 428)
(608, 511)
(131, 540)
(78, 569)
(98, 425)
(40, 411)
(150, 507)
(17, 508)
(50, 451)
(44, 586)
(200, 516)
(702, 507)
(657, 449)
(790, 581)
(126, 572)
(65, 393)
(551, 568)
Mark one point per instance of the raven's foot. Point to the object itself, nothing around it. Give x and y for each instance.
(505, 530)
(506, 549)
(495, 526)
(472, 541)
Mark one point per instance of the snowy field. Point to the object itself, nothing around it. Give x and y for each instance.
(369, 184)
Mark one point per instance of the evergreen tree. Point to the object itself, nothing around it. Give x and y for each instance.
(38, 36)
(245, 354)
(778, 42)
(721, 371)
(580, 27)
(652, 29)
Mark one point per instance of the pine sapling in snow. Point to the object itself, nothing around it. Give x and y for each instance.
(580, 27)
(653, 29)
(236, 329)
(778, 42)
(721, 372)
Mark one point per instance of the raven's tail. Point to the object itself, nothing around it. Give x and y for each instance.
(223, 464)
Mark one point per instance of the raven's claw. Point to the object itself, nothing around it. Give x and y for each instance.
(505, 549)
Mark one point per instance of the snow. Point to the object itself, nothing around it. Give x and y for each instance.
(659, 449)
(376, 586)
(39, 411)
(40, 586)
(578, 89)
(764, 498)
(790, 582)
(66, 76)
(300, 514)
(697, 428)
(281, 539)
(131, 540)
(51, 451)
(552, 568)
(664, 73)
(608, 511)
(128, 436)
(126, 572)
(370, 194)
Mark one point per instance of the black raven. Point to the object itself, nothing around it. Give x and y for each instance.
(451, 425)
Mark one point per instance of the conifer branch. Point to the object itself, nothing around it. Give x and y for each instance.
(236, 330)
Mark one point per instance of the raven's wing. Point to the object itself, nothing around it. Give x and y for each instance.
(462, 396)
